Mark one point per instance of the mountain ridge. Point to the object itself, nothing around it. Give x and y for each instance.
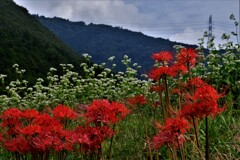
(102, 41)
(25, 41)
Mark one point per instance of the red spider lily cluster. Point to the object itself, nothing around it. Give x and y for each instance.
(171, 133)
(199, 98)
(202, 102)
(184, 60)
(38, 133)
(102, 111)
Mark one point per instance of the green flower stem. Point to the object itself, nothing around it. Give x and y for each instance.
(207, 150)
(111, 144)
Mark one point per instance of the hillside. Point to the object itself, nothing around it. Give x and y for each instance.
(24, 40)
(103, 41)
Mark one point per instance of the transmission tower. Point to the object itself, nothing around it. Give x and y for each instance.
(210, 28)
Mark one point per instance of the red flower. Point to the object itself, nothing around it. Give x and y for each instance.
(162, 56)
(63, 112)
(43, 142)
(172, 133)
(179, 68)
(119, 110)
(47, 123)
(18, 144)
(63, 140)
(90, 138)
(157, 73)
(105, 112)
(206, 101)
(30, 130)
(11, 117)
(202, 103)
(158, 88)
(30, 114)
(137, 100)
(195, 82)
(187, 56)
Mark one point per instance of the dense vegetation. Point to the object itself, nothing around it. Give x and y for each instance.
(186, 107)
(184, 110)
(103, 41)
(25, 41)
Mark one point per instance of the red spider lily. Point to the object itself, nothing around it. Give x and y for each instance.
(188, 111)
(187, 56)
(63, 141)
(30, 130)
(179, 68)
(175, 90)
(90, 138)
(162, 56)
(172, 133)
(157, 88)
(157, 73)
(137, 100)
(43, 142)
(206, 101)
(202, 103)
(120, 111)
(11, 121)
(18, 144)
(30, 114)
(105, 112)
(11, 117)
(47, 123)
(63, 112)
(194, 82)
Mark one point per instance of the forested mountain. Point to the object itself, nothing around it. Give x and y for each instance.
(24, 40)
(103, 41)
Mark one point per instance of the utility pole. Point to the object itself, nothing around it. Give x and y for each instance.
(210, 28)
(239, 21)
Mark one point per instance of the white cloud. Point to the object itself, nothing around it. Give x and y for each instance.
(176, 16)
(189, 36)
(111, 12)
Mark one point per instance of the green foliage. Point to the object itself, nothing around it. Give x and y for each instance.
(25, 41)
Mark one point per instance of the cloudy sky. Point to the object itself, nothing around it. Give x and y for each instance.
(177, 20)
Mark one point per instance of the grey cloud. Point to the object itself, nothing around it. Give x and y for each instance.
(162, 18)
